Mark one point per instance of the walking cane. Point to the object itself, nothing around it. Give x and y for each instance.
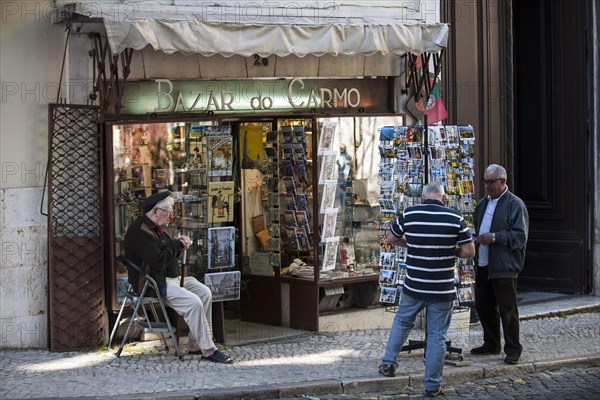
(181, 284)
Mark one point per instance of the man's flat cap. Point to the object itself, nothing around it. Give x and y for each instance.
(149, 202)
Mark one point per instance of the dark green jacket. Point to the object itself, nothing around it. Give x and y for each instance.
(154, 251)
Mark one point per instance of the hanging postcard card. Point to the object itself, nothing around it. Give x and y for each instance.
(301, 172)
(386, 133)
(328, 169)
(290, 239)
(299, 134)
(288, 202)
(386, 260)
(328, 198)
(388, 295)
(415, 152)
(329, 225)
(465, 294)
(466, 134)
(220, 153)
(327, 138)
(434, 135)
(221, 247)
(301, 202)
(387, 277)
(414, 190)
(224, 286)
(302, 217)
(465, 187)
(387, 206)
(330, 255)
(290, 184)
(303, 240)
(288, 219)
(220, 197)
(414, 135)
(452, 135)
(287, 134)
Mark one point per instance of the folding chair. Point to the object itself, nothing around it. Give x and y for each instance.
(140, 315)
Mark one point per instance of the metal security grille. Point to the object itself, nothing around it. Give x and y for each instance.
(76, 278)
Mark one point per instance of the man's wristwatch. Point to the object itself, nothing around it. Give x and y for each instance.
(493, 238)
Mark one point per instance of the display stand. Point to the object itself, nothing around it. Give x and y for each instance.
(405, 169)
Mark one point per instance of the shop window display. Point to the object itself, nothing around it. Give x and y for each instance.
(195, 162)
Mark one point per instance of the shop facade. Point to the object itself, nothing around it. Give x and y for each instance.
(261, 149)
(478, 87)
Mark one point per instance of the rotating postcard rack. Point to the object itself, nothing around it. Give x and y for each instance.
(410, 158)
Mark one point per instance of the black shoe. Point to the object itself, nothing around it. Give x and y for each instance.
(219, 357)
(387, 370)
(434, 393)
(484, 350)
(511, 359)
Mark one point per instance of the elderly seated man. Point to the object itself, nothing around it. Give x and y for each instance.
(149, 245)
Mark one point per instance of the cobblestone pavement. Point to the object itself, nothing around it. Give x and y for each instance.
(333, 362)
(566, 383)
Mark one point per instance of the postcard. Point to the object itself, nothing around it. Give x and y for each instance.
(328, 169)
(220, 195)
(224, 286)
(326, 140)
(388, 295)
(221, 247)
(220, 155)
(387, 277)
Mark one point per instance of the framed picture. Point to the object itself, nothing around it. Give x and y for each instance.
(225, 286)
(221, 247)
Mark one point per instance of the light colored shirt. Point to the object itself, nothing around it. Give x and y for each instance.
(486, 223)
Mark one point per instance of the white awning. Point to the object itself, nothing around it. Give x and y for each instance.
(267, 27)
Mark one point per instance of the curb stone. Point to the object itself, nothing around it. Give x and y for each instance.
(366, 385)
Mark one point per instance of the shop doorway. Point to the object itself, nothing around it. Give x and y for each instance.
(552, 149)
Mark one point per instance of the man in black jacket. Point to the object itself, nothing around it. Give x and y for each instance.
(501, 227)
(149, 245)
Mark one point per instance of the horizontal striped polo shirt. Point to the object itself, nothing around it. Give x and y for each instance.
(432, 232)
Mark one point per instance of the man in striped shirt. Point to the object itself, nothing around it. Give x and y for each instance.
(434, 235)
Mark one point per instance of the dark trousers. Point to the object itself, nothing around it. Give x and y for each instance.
(496, 302)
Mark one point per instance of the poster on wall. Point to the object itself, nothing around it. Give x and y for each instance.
(221, 247)
(252, 146)
(330, 255)
(220, 155)
(220, 202)
(327, 138)
(225, 286)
